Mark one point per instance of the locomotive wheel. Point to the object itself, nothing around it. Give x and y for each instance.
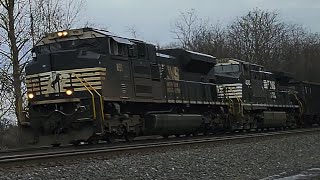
(205, 132)
(75, 142)
(55, 144)
(195, 134)
(165, 136)
(129, 137)
(93, 141)
(109, 137)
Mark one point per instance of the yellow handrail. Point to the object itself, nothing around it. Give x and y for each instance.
(239, 100)
(101, 104)
(231, 105)
(92, 96)
(230, 101)
(300, 104)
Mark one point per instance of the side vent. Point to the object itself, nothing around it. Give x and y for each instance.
(143, 70)
(123, 88)
(143, 89)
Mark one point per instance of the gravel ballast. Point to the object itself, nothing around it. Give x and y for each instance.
(254, 159)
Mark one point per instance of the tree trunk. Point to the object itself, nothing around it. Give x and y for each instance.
(15, 63)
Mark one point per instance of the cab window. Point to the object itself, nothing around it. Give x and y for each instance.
(230, 68)
(118, 49)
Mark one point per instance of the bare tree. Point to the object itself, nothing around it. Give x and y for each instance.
(187, 27)
(13, 28)
(22, 23)
(133, 31)
(6, 95)
(196, 34)
(260, 37)
(55, 15)
(212, 41)
(256, 37)
(307, 64)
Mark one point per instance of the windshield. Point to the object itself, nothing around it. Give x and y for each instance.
(95, 45)
(226, 68)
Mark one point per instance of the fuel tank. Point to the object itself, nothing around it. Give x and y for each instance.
(274, 119)
(172, 124)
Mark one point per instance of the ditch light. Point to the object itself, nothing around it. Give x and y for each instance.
(62, 34)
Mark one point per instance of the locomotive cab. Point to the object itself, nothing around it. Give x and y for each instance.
(80, 78)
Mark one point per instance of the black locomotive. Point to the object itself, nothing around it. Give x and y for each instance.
(89, 85)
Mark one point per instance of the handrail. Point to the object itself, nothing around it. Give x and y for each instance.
(92, 96)
(101, 104)
(231, 104)
(239, 100)
(300, 104)
(230, 101)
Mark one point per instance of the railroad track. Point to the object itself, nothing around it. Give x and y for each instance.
(7, 152)
(21, 158)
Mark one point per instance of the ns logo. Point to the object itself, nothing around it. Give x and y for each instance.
(56, 83)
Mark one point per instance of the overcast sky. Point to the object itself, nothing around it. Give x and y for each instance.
(153, 18)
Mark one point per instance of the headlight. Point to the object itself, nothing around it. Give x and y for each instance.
(69, 92)
(60, 34)
(30, 95)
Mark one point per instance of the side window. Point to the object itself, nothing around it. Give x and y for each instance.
(253, 75)
(218, 68)
(123, 49)
(246, 69)
(155, 72)
(118, 49)
(141, 50)
(306, 89)
(235, 68)
(132, 51)
(113, 47)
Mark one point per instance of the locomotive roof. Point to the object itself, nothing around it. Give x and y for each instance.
(201, 54)
(165, 56)
(237, 60)
(83, 33)
(192, 54)
(264, 72)
(306, 83)
(192, 61)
